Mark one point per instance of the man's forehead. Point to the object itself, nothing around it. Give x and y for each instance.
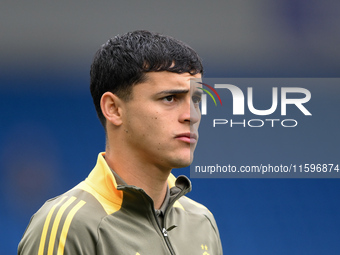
(161, 82)
(164, 77)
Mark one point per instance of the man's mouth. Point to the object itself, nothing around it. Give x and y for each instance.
(187, 137)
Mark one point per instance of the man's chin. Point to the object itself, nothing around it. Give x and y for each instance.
(183, 162)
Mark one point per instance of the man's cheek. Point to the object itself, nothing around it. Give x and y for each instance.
(197, 124)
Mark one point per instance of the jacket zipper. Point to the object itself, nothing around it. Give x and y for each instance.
(164, 230)
(164, 233)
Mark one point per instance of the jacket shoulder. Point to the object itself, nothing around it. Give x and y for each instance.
(194, 207)
(66, 224)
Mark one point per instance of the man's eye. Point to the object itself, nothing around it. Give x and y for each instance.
(169, 98)
(196, 99)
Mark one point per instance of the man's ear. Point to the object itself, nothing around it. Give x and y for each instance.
(111, 108)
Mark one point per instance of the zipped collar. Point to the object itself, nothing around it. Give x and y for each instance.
(103, 181)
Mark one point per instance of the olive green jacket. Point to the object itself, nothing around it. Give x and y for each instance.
(100, 217)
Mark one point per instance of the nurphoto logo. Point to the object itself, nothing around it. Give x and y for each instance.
(301, 97)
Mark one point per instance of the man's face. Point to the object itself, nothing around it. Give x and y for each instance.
(162, 118)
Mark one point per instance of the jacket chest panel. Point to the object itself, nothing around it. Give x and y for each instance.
(129, 234)
(194, 234)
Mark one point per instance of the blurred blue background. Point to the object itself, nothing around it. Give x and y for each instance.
(50, 135)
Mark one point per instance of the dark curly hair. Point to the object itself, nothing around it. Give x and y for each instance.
(124, 60)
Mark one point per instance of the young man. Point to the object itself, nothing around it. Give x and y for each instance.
(144, 87)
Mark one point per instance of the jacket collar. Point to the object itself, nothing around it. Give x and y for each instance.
(103, 181)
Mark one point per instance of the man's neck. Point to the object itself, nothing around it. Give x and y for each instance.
(151, 179)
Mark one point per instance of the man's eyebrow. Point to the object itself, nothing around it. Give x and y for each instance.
(173, 91)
